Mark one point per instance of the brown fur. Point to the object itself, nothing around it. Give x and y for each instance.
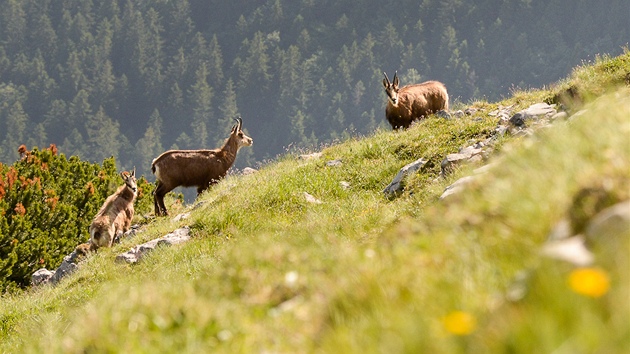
(198, 168)
(413, 102)
(114, 217)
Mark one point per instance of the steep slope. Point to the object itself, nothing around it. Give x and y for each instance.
(270, 271)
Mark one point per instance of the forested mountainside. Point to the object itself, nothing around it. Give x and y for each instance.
(132, 78)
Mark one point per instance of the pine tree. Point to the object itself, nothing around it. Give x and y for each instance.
(16, 124)
(150, 145)
(103, 138)
(201, 99)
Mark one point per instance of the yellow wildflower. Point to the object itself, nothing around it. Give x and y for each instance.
(591, 282)
(459, 323)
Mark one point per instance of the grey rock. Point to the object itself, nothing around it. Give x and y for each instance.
(518, 120)
(443, 114)
(610, 223)
(311, 199)
(315, 155)
(135, 254)
(470, 111)
(396, 187)
(533, 112)
(249, 171)
(457, 187)
(468, 154)
(572, 250)
(458, 114)
(559, 116)
(539, 109)
(41, 276)
(334, 163)
(180, 217)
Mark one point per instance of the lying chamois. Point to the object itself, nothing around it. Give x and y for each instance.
(115, 215)
(413, 102)
(199, 168)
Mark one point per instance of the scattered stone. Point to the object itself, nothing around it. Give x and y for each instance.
(518, 120)
(570, 249)
(458, 114)
(396, 187)
(612, 222)
(457, 187)
(443, 114)
(68, 266)
(249, 171)
(540, 109)
(533, 112)
(315, 155)
(41, 276)
(470, 111)
(503, 113)
(334, 163)
(180, 217)
(561, 231)
(312, 199)
(473, 153)
(135, 254)
(559, 116)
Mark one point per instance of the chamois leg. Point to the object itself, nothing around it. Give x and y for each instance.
(200, 190)
(158, 200)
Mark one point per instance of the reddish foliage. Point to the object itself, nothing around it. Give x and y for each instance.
(52, 202)
(25, 182)
(90, 188)
(19, 209)
(11, 177)
(53, 149)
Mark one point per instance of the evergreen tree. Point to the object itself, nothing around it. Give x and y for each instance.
(103, 138)
(150, 145)
(15, 125)
(201, 100)
(13, 26)
(228, 109)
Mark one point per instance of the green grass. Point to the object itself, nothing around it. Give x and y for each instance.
(267, 271)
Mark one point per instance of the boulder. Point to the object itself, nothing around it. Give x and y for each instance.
(135, 254)
(396, 187)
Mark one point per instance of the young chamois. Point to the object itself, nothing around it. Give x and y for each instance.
(115, 215)
(199, 168)
(413, 102)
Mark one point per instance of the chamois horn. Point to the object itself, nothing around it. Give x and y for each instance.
(386, 78)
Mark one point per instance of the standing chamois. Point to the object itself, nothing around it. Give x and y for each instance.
(413, 102)
(199, 168)
(115, 215)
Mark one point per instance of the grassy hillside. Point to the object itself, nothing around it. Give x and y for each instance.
(268, 271)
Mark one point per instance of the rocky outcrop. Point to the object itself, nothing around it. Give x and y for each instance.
(73, 261)
(135, 254)
(396, 186)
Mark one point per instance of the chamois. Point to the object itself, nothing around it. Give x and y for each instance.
(413, 102)
(114, 217)
(199, 168)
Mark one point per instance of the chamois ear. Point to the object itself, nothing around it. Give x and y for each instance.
(386, 82)
(133, 173)
(396, 79)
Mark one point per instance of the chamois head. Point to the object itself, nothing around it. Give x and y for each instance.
(130, 180)
(391, 88)
(237, 132)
